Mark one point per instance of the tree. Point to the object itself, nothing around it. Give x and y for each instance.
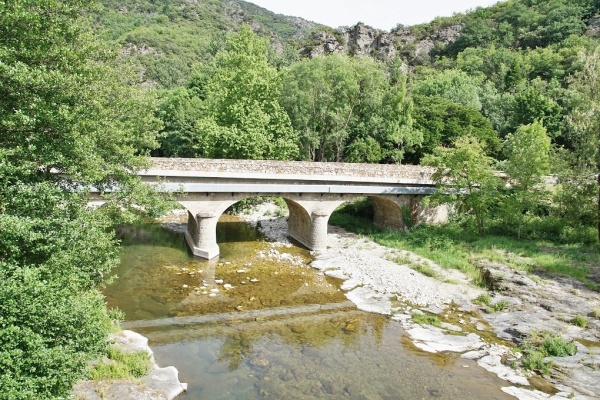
(527, 161)
(179, 110)
(465, 178)
(243, 118)
(443, 121)
(339, 104)
(583, 179)
(450, 84)
(70, 116)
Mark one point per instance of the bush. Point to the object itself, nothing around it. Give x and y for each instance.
(580, 321)
(543, 344)
(426, 319)
(122, 365)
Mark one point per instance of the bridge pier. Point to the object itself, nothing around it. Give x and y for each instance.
(309, 214)
(201, 235)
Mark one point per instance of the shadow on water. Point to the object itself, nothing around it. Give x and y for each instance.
(258, 322)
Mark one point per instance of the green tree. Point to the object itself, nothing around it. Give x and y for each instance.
(582, 180)
(527, 154)
(339, 105)
(451, 84)
(71, 115)
(465, 179)
(179, 110)
(443, 121)
(243, 117)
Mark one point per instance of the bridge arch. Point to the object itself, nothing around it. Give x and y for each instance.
(307, 222)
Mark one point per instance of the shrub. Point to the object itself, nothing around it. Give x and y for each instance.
(543, 344)
(122, 365)
(426, 319)
(580, 320)
(483, 299)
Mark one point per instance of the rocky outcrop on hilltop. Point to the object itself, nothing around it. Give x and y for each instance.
(414, 45)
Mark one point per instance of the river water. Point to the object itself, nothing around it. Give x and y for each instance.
(258, 322)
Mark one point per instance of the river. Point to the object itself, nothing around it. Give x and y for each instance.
(259, 322)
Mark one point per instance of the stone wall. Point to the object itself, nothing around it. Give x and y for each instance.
(295, 168)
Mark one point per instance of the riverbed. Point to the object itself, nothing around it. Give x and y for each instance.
(260, 322)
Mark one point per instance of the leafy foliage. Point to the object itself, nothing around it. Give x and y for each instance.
(527, 161)
(349, 109)
(466, 178)
(71, 115)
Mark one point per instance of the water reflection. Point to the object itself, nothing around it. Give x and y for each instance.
(279, 329)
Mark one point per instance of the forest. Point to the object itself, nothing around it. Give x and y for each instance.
(91, 90)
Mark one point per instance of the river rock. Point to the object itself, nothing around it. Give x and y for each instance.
(159, 384)
(368, 300)
(434, 340)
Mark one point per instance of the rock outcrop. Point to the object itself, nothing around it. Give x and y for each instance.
(364, 40)
(159, 384)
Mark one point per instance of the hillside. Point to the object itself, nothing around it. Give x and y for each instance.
(170, 36)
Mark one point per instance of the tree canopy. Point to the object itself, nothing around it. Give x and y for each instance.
(71, 115)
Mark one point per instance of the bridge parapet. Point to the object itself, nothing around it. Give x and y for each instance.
(337, 171)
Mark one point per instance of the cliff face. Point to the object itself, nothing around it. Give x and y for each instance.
(364, 40)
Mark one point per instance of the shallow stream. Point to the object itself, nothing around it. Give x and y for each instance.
(258, 322)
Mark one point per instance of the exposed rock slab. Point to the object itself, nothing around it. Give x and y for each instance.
(159, 384)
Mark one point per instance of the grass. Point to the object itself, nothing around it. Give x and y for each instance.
(501, 305)
(486, 300)
(453, 246)
(580, 321)
(426, 319)
(425, 270)
(483, 300)
(596, 312)
(122, 365)
(543, 344)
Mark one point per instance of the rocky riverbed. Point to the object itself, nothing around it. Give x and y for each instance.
(379, 279)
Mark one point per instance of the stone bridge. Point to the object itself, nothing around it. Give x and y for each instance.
(312, 191)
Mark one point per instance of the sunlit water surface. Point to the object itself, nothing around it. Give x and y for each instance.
(249, 327)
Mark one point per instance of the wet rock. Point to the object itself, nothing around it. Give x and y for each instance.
(298, 328)
(434, 340)
(451, 327)
(259, 362)
(368, 300)
(218, 368)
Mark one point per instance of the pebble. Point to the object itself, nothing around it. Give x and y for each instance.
(218, 281)
(253, 280)
(184, 286)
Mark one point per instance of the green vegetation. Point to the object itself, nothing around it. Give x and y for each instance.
(486, 300)
(167, 38)
(426, 319)
(122, 365)
(596, 312)
(516, 91)
(544, 344)
(500, 305)
(425, 270)
(580, 321)
(67, 104)
(483, 300)
(556, 251)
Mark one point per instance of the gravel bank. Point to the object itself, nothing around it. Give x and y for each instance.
(376, 283)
